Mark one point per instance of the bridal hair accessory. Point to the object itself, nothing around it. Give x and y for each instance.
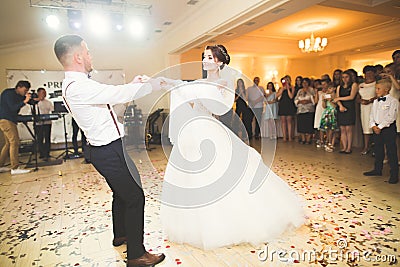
(223, 52)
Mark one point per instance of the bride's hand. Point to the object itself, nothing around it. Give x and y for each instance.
(140, 79)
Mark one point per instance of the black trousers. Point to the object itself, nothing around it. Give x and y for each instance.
(387, 138)
(257, 116)
(247, 118)
(75, 130)
(123, 178)
(43, 138)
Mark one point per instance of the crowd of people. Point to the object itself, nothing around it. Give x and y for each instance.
(321, 110)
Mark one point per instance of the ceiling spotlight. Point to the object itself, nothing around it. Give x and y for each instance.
(117, 21)
(76, 25)
(137, 28)
(52, 21)
(98, 23)
(75, 19)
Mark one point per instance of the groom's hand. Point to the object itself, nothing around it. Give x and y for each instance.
(157, 83)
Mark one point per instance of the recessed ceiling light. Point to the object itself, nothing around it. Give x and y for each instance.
(192, 2)
(250, 23)
(278, 10)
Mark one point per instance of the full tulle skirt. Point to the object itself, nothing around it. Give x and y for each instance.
(256, 206)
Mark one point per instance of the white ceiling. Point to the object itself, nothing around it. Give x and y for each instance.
(20, 23)
(351, 26)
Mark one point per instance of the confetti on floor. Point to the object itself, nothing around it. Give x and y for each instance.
(52, 220)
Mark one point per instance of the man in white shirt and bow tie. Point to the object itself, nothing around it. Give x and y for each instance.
(383, 123)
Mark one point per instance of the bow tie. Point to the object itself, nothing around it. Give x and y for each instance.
(382, 99)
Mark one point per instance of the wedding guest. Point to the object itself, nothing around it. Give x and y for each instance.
(382, 121)
(337, 77)
(346, 117)
(367, 94)
(328, 123)
(298, 84)
(255, 97)
(270, 114)
(388, 73)
(286, 107)
(242, 110)
(318, 98)
(304, 101)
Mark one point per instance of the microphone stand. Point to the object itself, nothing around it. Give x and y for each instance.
(35, 143)
(66, 152)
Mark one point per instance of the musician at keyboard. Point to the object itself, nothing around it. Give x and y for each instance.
(12, 100)
(43, 127)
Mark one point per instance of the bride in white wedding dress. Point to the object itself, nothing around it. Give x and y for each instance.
(217, 191)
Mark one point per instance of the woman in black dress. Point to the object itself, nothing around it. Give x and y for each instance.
(242, 110)
(346, 116)
(286, 107)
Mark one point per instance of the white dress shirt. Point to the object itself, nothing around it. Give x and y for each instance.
(254, 92)
(88, 99)
(383, 113)
(45, 106)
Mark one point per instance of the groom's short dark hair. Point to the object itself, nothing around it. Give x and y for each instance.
(64, 44)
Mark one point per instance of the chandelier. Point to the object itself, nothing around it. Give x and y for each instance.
(313, 44)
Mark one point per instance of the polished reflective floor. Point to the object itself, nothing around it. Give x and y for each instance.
(61, 214)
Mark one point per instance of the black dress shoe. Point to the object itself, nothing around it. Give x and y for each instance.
(118, 241)
(393, 180)
(147, 260)
(348, 152)
(342, 152)
(373, 173)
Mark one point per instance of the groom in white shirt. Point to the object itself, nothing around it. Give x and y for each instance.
(90, 103)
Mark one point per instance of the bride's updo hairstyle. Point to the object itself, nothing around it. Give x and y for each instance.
(220, 52)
